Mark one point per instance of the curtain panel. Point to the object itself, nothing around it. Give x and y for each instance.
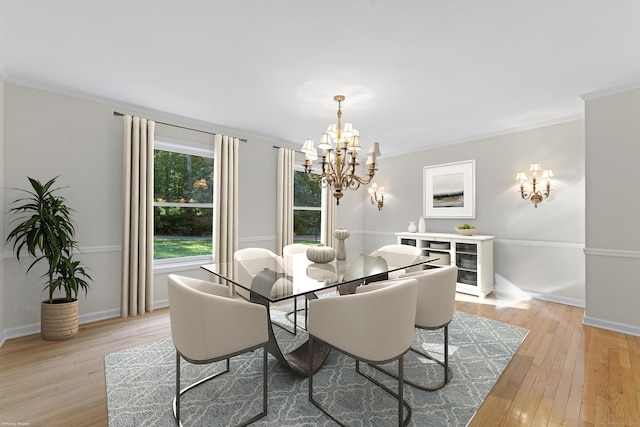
(328, 216)
(284, 199)
(137, 241)
(225, 203)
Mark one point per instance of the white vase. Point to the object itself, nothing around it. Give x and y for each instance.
(412, 227)
(341, 235)
(422, 227)
(321, 254)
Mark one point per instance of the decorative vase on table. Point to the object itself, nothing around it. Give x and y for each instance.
(341, 235)
(422, 227)
(320, 254)
(412, 227)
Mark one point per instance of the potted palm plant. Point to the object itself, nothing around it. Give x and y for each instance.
(43, 227)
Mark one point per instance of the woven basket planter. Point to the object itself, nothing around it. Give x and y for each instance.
(59, 321)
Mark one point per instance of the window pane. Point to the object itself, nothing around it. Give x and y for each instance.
(306, 191)
(181, 178)
(306, 226)
(181, 232)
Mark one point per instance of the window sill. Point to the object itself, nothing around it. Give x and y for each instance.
(180, 264)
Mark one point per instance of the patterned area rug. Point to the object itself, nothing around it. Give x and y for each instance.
(141, 382)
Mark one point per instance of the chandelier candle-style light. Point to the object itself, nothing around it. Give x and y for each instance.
(535, 195)
(340, 147)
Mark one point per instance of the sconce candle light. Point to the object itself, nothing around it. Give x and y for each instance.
(536, 196)
(376, 194)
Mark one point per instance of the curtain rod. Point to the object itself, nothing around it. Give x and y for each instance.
(275, 146)
(115, 113)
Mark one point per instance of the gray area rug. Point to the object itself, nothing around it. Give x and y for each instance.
(141, 382)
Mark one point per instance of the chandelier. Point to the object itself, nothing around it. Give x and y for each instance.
(340, 147)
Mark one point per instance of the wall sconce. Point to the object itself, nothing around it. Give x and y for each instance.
(536, 196)
(376, 194)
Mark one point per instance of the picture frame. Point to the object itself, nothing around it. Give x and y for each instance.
(450, 190)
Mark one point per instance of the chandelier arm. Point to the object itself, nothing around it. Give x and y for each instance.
(355, 181)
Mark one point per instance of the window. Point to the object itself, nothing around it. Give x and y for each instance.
(183, 200)
(307, 208)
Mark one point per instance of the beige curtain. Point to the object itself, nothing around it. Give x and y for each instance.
(328, 216)
(225, 204)
(284, 199)
(137, 241)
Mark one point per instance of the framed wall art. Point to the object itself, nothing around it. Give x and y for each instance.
(450, 190)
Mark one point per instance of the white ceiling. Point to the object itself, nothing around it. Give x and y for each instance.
(414, 72)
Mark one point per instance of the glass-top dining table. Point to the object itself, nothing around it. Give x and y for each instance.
(269, 280)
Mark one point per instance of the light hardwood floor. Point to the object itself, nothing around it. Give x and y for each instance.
(564, 374)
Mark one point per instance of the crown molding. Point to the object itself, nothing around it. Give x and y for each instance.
(501, 132)
(610, 91)
(156, 115)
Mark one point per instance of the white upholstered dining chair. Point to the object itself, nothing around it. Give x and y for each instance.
(434, 310)
(251, 261)
(294, 248)
(397, 256)
(373, 327)
(208, 326)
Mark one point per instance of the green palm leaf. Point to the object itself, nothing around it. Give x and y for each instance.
(42, 227)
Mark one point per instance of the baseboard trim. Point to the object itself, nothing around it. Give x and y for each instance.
(504, 290)
(34, 328)
(557, 299)
(611, 326)
(22, 331)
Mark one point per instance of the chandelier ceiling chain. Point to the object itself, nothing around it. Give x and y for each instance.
(340, 147)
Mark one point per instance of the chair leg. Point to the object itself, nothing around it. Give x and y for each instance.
(400, 389)
(265, 379)
(179, 393)
(295, 316)
(402, 420)
(176, 405)
(310, 367)
(448, 373)
(176, 399)
(264, 390)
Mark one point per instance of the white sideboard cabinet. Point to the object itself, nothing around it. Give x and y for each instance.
(472, 254)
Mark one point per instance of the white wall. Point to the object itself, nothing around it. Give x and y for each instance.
(537, 250)
(48, 134)
(2, 208)
(612, 236)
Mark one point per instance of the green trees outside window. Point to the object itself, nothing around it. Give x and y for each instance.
(183, 205)
(307, 211)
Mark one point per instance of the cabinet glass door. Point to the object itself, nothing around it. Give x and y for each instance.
(467, 262)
